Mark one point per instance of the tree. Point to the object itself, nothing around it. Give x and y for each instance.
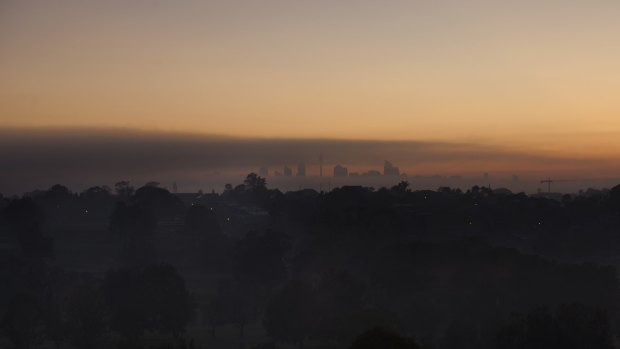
(134, 225)
(25, 218)
(23, 322)
(235, 304)
(401, 187)
(254, 182)
(87, 314)
(58, 192)
(267, 345)
(169, 302)
(123, 189)
(381, 338)
(289, 315)
(200, 219)
(215, 312)
(124, 291)
(96, 203)
(158, 200)
(154, 298)
(97, 193)
(461, 335)
(259, 258)
(338, 302)
(573, 326)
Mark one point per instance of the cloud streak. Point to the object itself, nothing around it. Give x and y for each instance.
(36, 157)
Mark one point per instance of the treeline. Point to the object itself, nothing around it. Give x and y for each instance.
(351, 268)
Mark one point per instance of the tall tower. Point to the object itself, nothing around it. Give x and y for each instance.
(321, 165)
(301, 169)
(288, 171)
(263, 171)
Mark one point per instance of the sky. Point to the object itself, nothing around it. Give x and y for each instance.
(535, 77)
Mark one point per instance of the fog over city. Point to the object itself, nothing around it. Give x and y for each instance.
(38, 158)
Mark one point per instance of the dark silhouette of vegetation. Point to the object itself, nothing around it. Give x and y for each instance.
(199, 219)
(380, 338)
(257, 268)
(571, 326)
(153, 298)
(259, 257)
(25, 218)
(288, 317)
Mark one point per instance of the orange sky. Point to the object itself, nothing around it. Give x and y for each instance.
(526, 74)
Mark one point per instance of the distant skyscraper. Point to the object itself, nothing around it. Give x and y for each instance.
(321, 165)
(371, 173)
(390, 170)
(340, 171)
(486, 176)
(263, 171)
(515, 178)
(301, 170)
(288, 171)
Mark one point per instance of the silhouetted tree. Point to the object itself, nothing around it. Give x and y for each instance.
(200, 219)
(380, 338)
(96, 203)
(573, 326)
(125, 292)
(338, 301)
(289, 315)
(215, 313)
(234, 304)
(254, 182)
(134, 225)
(268, 345)
(158, 200)
(154, 298)
(123, 189)
(23, 322)
(97, 192)
(24, 217)
(461, 335)
(401, 188)
(58, 193)
(259, 257)
(169, 302)
(86, 314)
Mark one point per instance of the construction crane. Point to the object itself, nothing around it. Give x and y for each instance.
(548, 181)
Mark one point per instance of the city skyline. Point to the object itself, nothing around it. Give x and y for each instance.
(312, 174)
(444, 87)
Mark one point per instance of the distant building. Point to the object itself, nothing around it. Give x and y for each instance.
(288, 171)
(389, 169)
(340, 171)
(263, 171)
(515, 178)
(301, 170)
(486, 176)
(372, 173)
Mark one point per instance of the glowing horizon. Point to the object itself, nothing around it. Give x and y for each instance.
(532, 76)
